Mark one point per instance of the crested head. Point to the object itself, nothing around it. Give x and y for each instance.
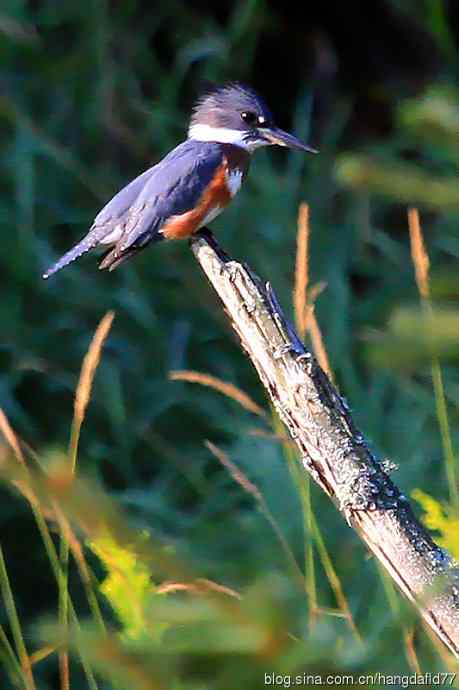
(222, 106)
(236, 114)
(227, 113)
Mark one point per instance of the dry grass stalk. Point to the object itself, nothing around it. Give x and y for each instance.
(410, 650)
(42, 653)
(333, 579)
(318, 343)
(89, 366)
(82, 398)
(302, 270)
(73, 542)
(421, 266)
(217, 384)
(22, 482)
(199, 586)
(316, 290)
(251, 489)
(303, 302)
(419, 253)
(270, 436)
(234, 471)
(10, 437)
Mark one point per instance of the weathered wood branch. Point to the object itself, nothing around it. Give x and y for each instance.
(332, 450)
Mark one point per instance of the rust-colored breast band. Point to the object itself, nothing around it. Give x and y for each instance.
(215, 195)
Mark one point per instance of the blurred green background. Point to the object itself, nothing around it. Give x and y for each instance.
(92, 93)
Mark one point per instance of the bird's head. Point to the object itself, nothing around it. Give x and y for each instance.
(235, 114)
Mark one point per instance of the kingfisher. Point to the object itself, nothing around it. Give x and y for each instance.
(190, 186)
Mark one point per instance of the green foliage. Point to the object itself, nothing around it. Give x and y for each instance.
(441, 519)
(126, 585)
(411, 337)
(93, 93)
(428, 125)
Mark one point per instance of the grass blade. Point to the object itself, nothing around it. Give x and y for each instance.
(248, 486)
(15, 624)
(421, 264)
(217, 384)
(10, 659)
(82, 398)
(13, 442)
(300, 290)
(84, 387)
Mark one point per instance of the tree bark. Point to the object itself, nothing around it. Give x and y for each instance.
(332, 450)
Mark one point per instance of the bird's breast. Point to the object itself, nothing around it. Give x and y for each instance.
(213, 199)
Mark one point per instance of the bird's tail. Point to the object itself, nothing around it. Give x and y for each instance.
(87, 243)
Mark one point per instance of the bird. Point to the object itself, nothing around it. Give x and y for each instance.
(192, 184)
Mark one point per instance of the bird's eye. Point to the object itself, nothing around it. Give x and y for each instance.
(249, 118)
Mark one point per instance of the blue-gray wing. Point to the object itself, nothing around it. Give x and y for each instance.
(134, 216)
(175, 188)
(118, 207)
(113, 214)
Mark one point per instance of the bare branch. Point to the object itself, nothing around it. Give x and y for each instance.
(332, 450)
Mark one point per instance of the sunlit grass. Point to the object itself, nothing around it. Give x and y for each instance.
(15, 625)
(140, 576)
(421, 264)
(82, 397)
(228, 389)
(305, 295)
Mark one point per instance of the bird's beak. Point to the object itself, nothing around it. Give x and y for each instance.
(274, 135)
